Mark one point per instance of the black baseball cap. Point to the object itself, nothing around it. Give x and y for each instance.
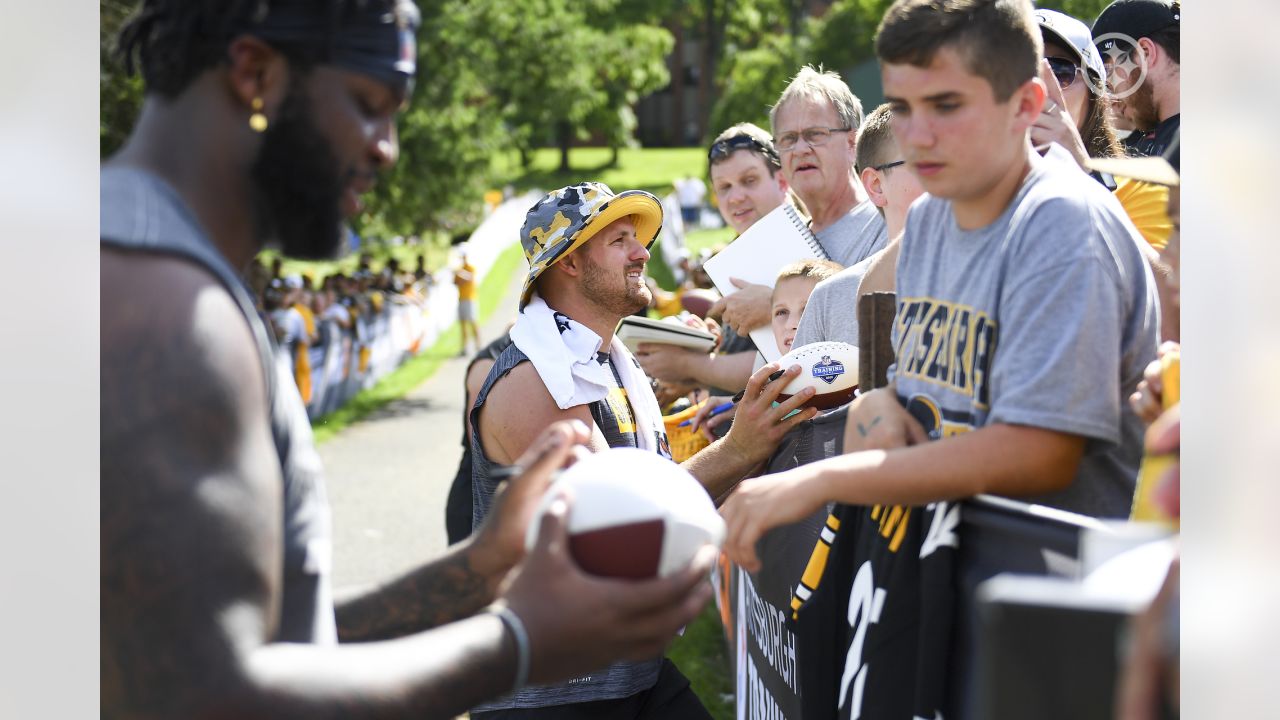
(1135, 18)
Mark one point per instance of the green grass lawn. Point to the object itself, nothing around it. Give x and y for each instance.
(416, 370)
(703, 656)
(651, 169)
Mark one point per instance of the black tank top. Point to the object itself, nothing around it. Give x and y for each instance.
(457, 509)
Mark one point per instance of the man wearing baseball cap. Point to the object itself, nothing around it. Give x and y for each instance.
(1140, 45)
(587, 248)
(267, 121)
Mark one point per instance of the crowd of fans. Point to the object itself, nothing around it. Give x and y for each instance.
(340, 312)
(1111, 98)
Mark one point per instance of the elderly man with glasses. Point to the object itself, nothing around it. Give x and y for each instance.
(815, 124)
(832, 312)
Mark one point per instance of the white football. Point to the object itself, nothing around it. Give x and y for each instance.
(633, 514)
(830, 368)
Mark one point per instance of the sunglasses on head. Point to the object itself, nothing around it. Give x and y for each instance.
(1064, 71)
(725, 148)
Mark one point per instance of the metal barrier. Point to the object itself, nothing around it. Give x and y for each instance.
(399, 331)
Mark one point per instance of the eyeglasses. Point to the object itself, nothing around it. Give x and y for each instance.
(886, 166)
(814, 136)
(1064, 71)
(726, 147)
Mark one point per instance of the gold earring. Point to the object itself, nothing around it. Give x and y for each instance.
(257, 120)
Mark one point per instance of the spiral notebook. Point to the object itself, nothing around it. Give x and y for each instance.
(773, 242)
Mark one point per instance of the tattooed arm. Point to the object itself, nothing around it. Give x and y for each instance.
(454, 586)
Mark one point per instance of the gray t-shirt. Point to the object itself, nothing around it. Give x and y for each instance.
(1044, 318)
(856, 236)
(832, 311)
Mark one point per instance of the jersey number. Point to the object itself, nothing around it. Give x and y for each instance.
(865, 603)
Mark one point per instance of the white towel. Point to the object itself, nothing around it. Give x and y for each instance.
(564, 354)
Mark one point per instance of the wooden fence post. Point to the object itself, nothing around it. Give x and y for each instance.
(875, 339)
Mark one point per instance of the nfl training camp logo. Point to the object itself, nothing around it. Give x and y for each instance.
(827, 370)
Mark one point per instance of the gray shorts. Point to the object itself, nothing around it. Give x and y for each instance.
(467, 310)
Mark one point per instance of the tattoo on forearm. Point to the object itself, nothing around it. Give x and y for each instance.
(441, 592)
(865, 430)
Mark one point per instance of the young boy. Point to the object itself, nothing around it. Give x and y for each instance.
(1026, 312)
(791, 294)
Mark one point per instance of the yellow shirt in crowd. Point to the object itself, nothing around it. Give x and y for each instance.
(301, 360)
(465, 279)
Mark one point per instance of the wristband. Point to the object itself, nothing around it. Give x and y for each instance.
(521, 637)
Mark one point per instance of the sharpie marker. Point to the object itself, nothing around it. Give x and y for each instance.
(718, 409)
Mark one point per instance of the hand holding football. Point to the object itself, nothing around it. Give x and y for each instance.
(633, 514)
(830, 368)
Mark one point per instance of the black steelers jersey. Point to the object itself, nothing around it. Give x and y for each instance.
(873, 614)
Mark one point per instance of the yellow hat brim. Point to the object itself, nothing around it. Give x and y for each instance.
(648, 220)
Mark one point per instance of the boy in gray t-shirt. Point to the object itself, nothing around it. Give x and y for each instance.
(1045, 318)
(1026, 311)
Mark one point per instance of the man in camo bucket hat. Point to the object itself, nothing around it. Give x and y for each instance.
(565, 219)
(587, 249)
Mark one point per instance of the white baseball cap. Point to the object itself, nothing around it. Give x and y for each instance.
(1073, 35)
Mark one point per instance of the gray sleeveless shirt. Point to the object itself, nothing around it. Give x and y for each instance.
(619, 680)
(140, 212)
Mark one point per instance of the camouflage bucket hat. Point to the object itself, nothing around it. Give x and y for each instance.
(565, 219)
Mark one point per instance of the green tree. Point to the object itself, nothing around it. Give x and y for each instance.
(631, 64)
(753, 79)
(493, 75)
(447, 134)
(845, 36)
(750, 48)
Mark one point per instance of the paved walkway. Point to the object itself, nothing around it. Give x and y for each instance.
(389, 475)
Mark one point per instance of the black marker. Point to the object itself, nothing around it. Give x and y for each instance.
(774, 376)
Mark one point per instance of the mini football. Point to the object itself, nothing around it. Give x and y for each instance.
(830, 368)
(632, 514)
